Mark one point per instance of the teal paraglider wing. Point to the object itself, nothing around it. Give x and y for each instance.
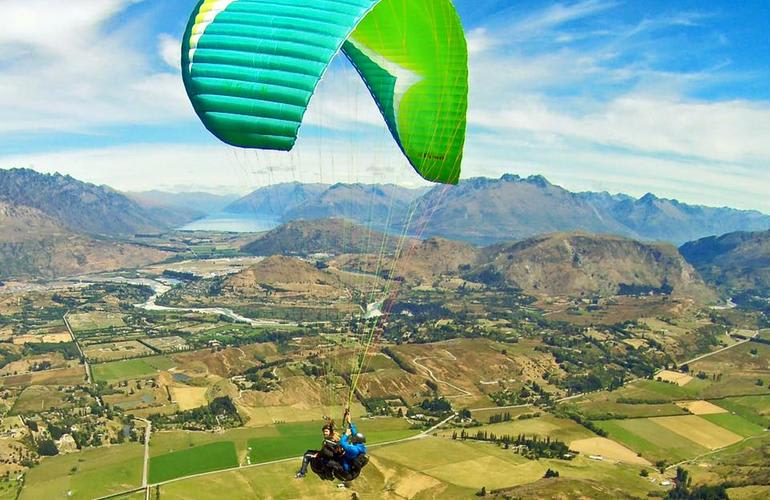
(250, 68)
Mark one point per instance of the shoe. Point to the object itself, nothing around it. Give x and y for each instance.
(299, 475)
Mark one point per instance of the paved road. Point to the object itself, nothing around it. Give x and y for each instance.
(693, 360)
(82, 356)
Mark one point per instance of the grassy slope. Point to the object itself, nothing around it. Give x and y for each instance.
(214, 456)
(97, 472)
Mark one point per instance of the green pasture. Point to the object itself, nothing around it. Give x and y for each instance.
(206, 458)
(753, 408)
(166, 442)
(735, 423)
(293, 439)
(179, 453)
(599, 409)
(9, 489)
(654, 442)
(87, 474)
(130, 368)
(656, 390)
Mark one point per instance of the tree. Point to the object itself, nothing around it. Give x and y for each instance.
(47, 448)
(644, 473)
(483, 491)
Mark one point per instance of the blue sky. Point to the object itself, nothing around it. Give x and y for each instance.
(671, 97)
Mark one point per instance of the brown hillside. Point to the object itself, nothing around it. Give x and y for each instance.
(33, 244)
(418, 262)
(582, 264)
(283, 274)
(334, 236)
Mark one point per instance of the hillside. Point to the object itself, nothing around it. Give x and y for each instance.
(580, 264)
(34, 245)
(279, 274)
(306, 237)
(419, 262)
(486, 211)
(82, 207)
(738, 261)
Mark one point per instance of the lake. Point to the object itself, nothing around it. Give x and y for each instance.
(232, 223)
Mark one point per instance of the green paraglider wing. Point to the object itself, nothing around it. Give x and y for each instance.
(250, 68)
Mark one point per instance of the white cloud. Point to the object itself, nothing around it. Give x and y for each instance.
(170, 48)
(66, 68)
(729, 131)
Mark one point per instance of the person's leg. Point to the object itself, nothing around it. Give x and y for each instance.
(306, 458)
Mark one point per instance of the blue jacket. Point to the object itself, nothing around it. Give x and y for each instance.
(351, 450)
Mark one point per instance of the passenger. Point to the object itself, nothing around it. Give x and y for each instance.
(330, 449)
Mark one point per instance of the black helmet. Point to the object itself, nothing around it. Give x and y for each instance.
(359, 438)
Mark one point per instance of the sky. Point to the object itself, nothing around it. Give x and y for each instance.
(661, 96)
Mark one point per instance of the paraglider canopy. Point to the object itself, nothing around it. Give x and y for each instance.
(250, 68)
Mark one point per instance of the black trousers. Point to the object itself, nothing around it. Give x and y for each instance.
(306, 458)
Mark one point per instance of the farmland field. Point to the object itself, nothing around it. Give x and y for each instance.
(677, 378)
(753, 408)
(87, 474)
(377, 430)
(594, 407)
(96, 320)
(63, 376)
(653, 441)
(607, 448)
(473, 464)
(188, 398)
(699, 430)
(276, 481)
(112, 351)
(130, 369)
(210, 457)
(293, 440)
(738, 370)
(735, 423)
(546, 425)
(701, 407)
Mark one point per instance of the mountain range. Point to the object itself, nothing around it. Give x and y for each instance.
(86, 208)
(371, 204)
(54, 225)
(485, 211)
